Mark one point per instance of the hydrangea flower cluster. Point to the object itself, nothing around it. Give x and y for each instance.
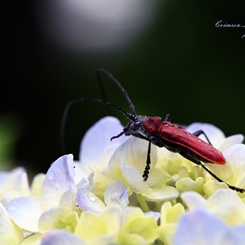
(103, 199)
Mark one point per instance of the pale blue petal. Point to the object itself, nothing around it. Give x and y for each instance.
(238, 232)
(58, 180)
(200, 227)
(97, 138)
(116, 194)
(61, 238)
(193, 200)
(87, 201)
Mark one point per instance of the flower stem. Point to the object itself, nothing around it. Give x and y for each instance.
(142, 203)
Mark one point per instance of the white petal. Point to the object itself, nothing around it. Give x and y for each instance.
(83, 183)
(15, 180)
(214, 134)
(49, 219)
(97, 138)
(116, 194)
(162, 194)
(22, 184)
(67, 200)
(25, 212)
(8, 196)
(81, 172)
(134, 153)
(231, 140)
(8, 230)
(37, 184)
(235, 155)
(134, 179)
(33, 239)
(59, 179)
(87, 201)
(232, 209)
(61, 238)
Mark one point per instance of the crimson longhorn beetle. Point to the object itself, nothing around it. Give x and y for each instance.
(161, 133)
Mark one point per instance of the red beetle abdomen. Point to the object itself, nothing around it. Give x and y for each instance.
(213, 156)
(196, 147)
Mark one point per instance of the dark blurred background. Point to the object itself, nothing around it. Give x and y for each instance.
(169, 55)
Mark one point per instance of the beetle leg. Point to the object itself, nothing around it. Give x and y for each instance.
(199, 132)
(117, 136)
(148, 161)
(198, 162)
(167, 118)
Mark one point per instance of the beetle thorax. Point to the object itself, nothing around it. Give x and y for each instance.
(153, 124)
(136, 128)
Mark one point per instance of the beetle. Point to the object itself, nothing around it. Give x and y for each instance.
(159, 132)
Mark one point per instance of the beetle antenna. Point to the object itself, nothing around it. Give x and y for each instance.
(67, 109)
(119, 85)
